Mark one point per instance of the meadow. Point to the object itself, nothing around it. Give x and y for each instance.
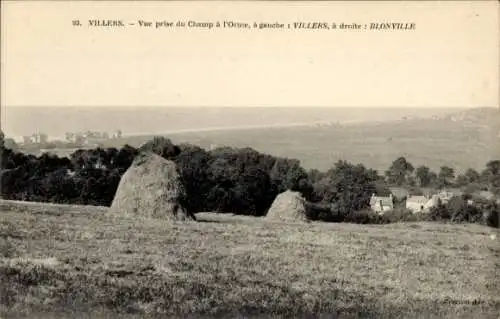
(77, 261)
(374, 145)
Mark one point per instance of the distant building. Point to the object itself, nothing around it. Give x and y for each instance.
(421, 203)
(79, 139)
(445, 196)
(87, 137)
(70, 137)
(380, 204)
(40, 138)
(117, 134)
(43, 138)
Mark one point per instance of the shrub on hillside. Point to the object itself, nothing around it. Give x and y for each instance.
(439, 213)
(459, 210)
(403, 215)
(490, 211)
(364, 216)
(328, 213)
(318, 211)
(492, 218)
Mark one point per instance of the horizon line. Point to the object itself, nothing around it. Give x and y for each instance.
(245, 106)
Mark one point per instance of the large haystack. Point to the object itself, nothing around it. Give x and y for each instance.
(151, 187)
(288, 206)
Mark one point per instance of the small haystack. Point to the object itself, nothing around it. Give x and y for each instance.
(288, 206)
(151, 187)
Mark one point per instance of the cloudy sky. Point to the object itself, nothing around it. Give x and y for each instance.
(450, 60)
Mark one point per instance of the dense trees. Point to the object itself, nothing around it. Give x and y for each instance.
(86, 177)
(446, 176)
(459, 209)
(491, 175)
(240, 181)
(402, 173)
(346, 188)
(7, 142)
(193, 162)
(399, 172)
(424, 176)
(471, 176)
(288, 174)
(228, 180)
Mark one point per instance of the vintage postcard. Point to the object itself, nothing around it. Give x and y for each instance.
(250, 159)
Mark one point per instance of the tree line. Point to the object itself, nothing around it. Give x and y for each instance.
(403, 173)
(228, 180)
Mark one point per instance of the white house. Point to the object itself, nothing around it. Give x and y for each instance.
(421, 203)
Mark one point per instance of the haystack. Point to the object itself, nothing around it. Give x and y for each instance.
(151, 187)
(288, 206)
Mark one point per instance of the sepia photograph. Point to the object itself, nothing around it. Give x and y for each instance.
(250, 159)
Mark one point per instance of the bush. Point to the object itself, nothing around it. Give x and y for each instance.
(459, 210)
(492, 218)
(403, 215)
(490, 210)
(365, 216)
(319, 211)
(328, 213)
(439, 213)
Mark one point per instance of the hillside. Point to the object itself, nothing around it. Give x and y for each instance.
(462, 140)
(433, 143)
(55, 121)
(61, 261)
(478, 117)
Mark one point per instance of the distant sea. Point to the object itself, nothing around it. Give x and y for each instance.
(55, 121)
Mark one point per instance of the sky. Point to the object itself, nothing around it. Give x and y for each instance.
(450, 60)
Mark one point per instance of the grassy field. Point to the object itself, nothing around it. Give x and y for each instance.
(374, 145)
(71, 261)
